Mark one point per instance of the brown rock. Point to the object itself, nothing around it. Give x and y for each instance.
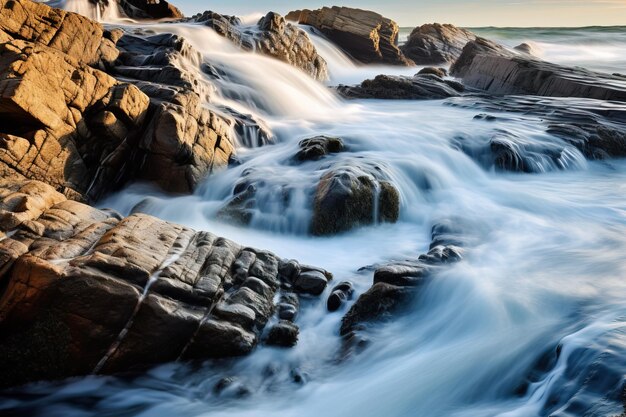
(433, 44)
(275, 37)
(367, 36)
(84, 291)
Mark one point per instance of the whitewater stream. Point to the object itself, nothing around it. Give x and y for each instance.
(531, 322)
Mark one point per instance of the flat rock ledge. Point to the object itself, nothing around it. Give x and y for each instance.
(84, 290)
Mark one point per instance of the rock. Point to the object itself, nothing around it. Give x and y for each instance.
(438, 71)
(283, 334)
(72, 34)
(274, 37)
(87, 292)
(288, 307)
(351, 196)
(70, 115)
(365, 35)
(585, 125)
(311, 282)
(418, 87)
(340, 294)
(529, 49)
(492, 68)
(313, 149)
(397, 283)
(435, 43)
(150, 9)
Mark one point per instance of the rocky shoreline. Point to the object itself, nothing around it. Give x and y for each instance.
(87, 109)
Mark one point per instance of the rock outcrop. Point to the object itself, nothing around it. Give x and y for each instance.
(433, 44)
(85, 290)
(272, 36)
(490, 67)
(69, 123)
(365, 35)
(418, 87)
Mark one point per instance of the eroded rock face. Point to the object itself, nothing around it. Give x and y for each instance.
(77, 36)
(365, 35)
(64, 122)
(490, 67)
(84, 290)
(433, 44)
(272, 36)
(418, 87)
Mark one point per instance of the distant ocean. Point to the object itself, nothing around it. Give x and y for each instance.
(601, 48)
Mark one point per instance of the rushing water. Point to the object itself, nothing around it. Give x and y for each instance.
(532, 322)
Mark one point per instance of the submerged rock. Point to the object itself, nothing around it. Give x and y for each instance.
(435, 43)
(365, 35)
(283, 334)
(272, 36)
(85, 291)
(340, 295)
(490, 67)
(418, 87)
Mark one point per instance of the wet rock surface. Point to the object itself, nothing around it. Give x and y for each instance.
(436, 43)
(149, 9)
(365, 35)
(351, 195)
(490, 67)
(113, 294)
(396, 284)
(419, 87)
(313, 149)
(272, 36)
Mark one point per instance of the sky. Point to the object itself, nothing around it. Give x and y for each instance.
(468, 13)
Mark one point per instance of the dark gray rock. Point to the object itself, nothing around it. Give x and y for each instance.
(419, 87)
(283, 334)
(339, 296)
(313, 149)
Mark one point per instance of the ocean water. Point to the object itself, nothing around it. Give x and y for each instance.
(532, 322)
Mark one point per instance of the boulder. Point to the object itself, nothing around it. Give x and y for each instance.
(283, 334)
(365, 35)
(85, 290)
(272, 36)
(391, 87)
(490, 67)
(149, 9)
(433, 44)
(349, 196)
(339, 296)
(528, 48)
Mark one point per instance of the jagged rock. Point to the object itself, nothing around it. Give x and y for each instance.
(397, 283)
(350, 196)
(283, 334)
(420, 86)
(488, 66)
(365, 35)
(274, 37)
(73, 34)
(64, 122)
(435, 43)
(150, 9)
(315, 148)
(84, 290)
